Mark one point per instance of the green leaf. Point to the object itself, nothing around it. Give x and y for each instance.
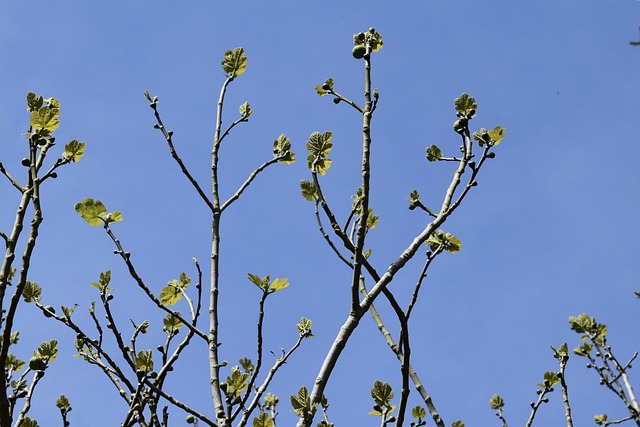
(433, 153)
(48, 351)
(444, 241)
(247, 365)
(278, 285)
(466, 106)
(371, 36)
(68, 311)
(172, 293)
(31, 292)
(263, 420)
(319, 145)
(92, 211)
(63, 403)
(600, 419)
(301, 403)
(271, 401)
(326, 88)
(234, 62)
(28, 422)
(490, 138)
(418, 412)
(496, 403)
(304, 328)
(382, 394)
(245, 110)
(144, 361)
(263, 284)
(74, 150)
(12, 363)
(562, 352)
(308, 190)
(457, 424)
(103, 285)
(171, 324)
(45, 119)
(414, 199)
(583, 350)
(282, 150)
(550, 379)
(34, 102)
(372, 220)
(237, 382)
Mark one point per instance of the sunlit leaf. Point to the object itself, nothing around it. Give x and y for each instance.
(74, 150)
(144, 361)
(31, 292)
(246, 364)
(171, 324)
(418, 412)
(326, 88)
(302, 402)
(263, 420)
(92, 211)
(47, 351)
(278, 285)
(103, 284)
(12, 363)
(282, 150)
(496, 402)
(234, 62)
(382, 394)
(237, 382)
(46, 119)
(466, 106)
(245, 110)
(304, 328)
(444, 241)
(172, 293)
(308, 190)
(63, 403)
(433, 153)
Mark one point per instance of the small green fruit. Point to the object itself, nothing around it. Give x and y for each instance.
(25, 162)
(49, 311)
(190, 419)
(37, 363)
(359, 51)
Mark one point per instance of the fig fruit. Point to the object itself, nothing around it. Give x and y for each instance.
(359, 51)
(37, 363)
(49, 311)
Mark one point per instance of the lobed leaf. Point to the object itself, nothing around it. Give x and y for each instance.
(465, 106)
(308, 190)
(496, 403)
(31, 292)
(144, 361)
(433, 153)
(74, 150)
(234, 62)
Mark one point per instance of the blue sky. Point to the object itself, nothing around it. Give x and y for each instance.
(550, 231)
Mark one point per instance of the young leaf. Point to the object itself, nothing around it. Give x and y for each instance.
(466, 106)
(372, 220)
(457, 424)
(496, 402)
(263, 284)
(92, 211)
(171, 324)
(263, 420)
(45, 119)
(74, 150)
(237, 382)
(278, 285)
(444, 241)
(234, 62)
(34, 102)
(247, 365)
(418, 412)
(245, 110)
(48, 351)
(319, 145)
(12, 363)
(63, 403)
(304, 328)
(144, 361)
(282, 150)
(28, 422)
(103, 285)
(326, 88)
(172, 293)
(301, 403)
(308, 190)
(433, 153)
(31, 292)
(382, 394)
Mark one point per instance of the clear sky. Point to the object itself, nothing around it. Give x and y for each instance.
(551, 230)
